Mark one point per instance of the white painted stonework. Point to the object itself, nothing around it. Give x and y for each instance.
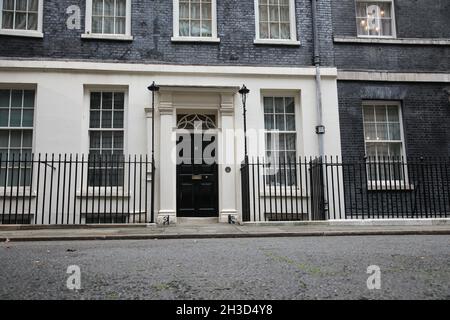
(62, 113)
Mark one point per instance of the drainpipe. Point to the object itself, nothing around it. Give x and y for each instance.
(320, 128)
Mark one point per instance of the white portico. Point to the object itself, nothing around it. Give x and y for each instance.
(220, 104)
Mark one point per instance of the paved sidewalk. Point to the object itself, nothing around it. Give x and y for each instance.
(215, 231)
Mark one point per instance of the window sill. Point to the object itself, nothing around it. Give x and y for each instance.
(22, 33)
(195, 39)
(392, 40)
(277, 42)
(394, 186)
(113, 37)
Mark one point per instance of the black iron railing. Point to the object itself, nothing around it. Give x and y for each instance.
(74, 189)
(329, 188)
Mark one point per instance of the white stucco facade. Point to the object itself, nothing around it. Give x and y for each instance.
(61, 120)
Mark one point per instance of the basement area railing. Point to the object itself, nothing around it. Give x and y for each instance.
(311, 189)
(75, 189)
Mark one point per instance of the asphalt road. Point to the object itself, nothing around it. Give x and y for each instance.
(412, 267)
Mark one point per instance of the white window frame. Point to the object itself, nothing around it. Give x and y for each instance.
(24, 33)
(23, 190)
(279, 189)
(176, 25)
(88, 28)
(375, 184)
(393, 21)
(293, 28)
(88, 89)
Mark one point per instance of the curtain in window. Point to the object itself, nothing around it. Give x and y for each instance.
(195, 18)
(274, 19)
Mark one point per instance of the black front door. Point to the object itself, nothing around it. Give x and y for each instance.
(197, 176)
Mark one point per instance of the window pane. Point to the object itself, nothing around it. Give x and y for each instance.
(118, 140)
(4, 118)
(33, 5)
(279, 122)
(97, 24)
(2, 172)
(279, 105)
(27, 118)
(393, 115)
(8, 4)
(382, 132)
(369, 131)
(369, 113)
(290, 122)
(16, 99)
(94, 140)
(285, 32)
(268, 122)
(27, 139)
(120, 25)
(107, 100)
(97, 7)
(380, 113)
(32, 21)
(206, 11)
(4, 138)
(362, 26)
(28, 99)
(21, 21)
(16, 117)
(106, 119)
(195, 28)
(394, 131)
(16, 139)
(269, 144)
(290, 105)
(95, 119)
(395, 150)
(263, 30)
(290, 141)
(184, 10)
(386, 27)
(382, 149)
(206, 28)
(4, 98)
(195, 11)
(274, 14)
(107, 140)
(118, 119)
(184, 28)
(109, 8)
(8, 20)
(119, 100)
(284, 13)
(263, 14)
(108, 25)
(274, 31)
(121, 8)
(95, 100)
(21, 5)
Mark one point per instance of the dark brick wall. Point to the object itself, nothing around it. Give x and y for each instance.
(414, 19)
(425, 111)
(152, 30)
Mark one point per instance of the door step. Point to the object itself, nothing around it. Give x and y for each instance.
(197, 221)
